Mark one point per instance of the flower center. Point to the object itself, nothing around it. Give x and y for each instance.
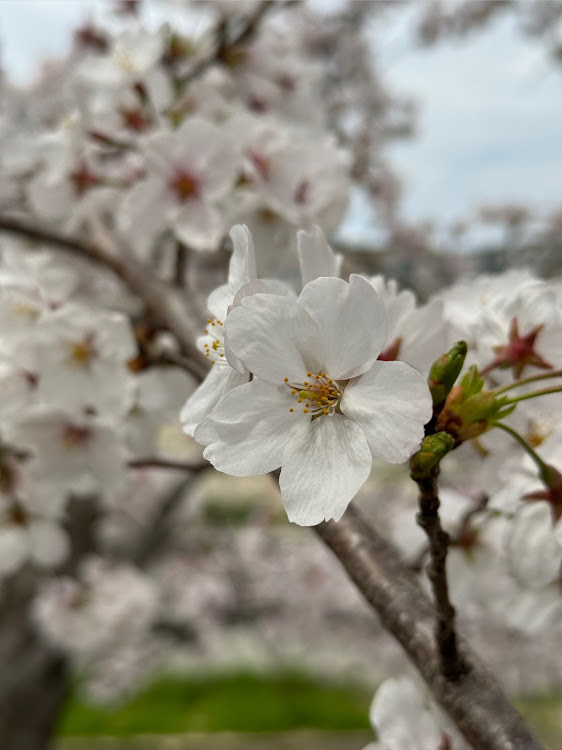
(212, 344)
(318, 396)
(519, 352)
(125, 61)
(75, 436)
(185, 185)
(82, 178)
(82, 352)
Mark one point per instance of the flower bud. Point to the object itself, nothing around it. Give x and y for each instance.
(469, 411)
(445, 371)
(433, 449)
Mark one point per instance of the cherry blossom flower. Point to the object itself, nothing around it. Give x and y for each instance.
(226, 372)
(416, 335)
(28, 538)
(189, 171)
(107, 603)
(405, 718)
(81, 356)
(534, 545)
(319, 405)
(316, 257)
(159, 393)
(69, 455)
(221, 377)
(133, 56)
(521, 482)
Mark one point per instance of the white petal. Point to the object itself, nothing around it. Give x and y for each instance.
(402, 717)
(424, 337)
(52, 198)
(391, 403)
(274, 337)
(160, 154)
(316, 257)
(534, 554)
(264, 286)
(219, 301)
(49, 544)
(242, 268)
(351, 319)
(13, 549)
(325, 464)
(206, 397)
(199, 225)
(258, 286)
(144, 208)
(248, 430)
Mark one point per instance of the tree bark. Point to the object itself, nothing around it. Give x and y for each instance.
(34, 676)
(474, 699)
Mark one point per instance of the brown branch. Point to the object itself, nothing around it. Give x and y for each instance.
(220, 50)
(163, 463)
(428, 518)
(462, 537)
(160, 300)
(22, 228)
(152, 540)
(180, 265)
(475, 701)
(166, 359)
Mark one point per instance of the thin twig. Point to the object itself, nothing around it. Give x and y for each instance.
(160, 299)
(75, 245)
(180, 265)
(248, 31)
(428, 518)
(164, 463)
(461, 536)
(167, 359)
(475, 701)
(152, 539)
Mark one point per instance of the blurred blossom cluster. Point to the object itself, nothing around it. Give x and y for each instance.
(242, 145)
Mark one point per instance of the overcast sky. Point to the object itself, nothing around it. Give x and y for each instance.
(490, 107)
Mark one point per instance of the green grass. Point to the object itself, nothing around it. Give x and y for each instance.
(238, 703)
(544, 715)
(245, 702)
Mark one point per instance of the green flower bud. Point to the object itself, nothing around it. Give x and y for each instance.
(469, 411)
(432, 450)
(445, 371)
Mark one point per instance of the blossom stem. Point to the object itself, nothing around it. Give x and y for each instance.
(248, 31)
(525, 381)
(475, 701)
(525, 445)
(452, 664)
(534, 394)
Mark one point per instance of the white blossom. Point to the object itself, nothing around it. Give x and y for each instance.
(319, 405)
(189, 172)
